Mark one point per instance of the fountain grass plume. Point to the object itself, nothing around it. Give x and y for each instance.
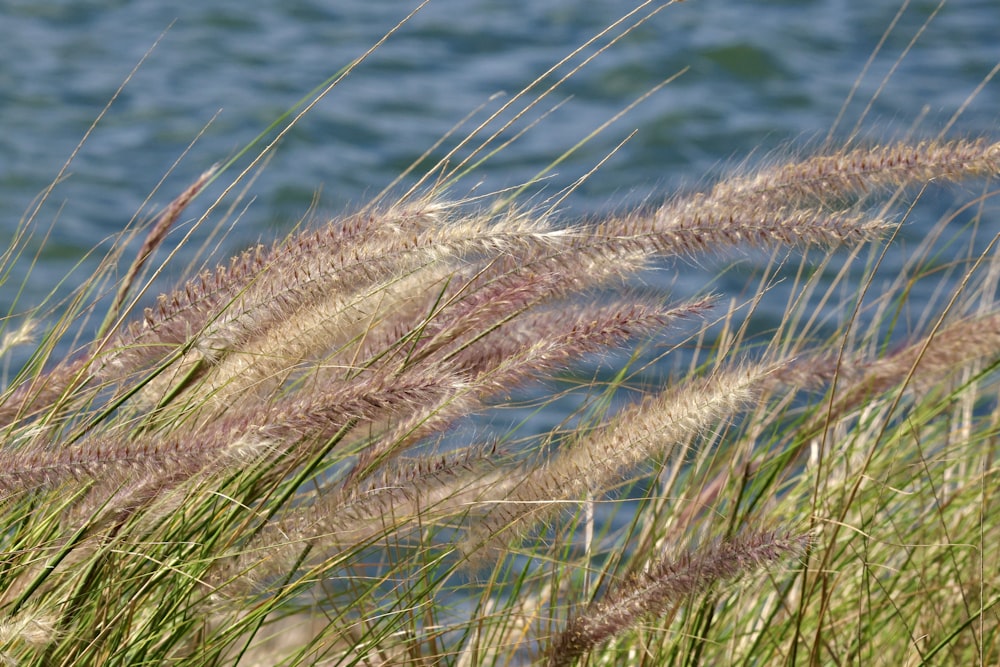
(668, 582)
(660, 427)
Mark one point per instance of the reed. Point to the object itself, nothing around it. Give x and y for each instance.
(283, 439)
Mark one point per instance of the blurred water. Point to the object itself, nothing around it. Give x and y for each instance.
(758, 75)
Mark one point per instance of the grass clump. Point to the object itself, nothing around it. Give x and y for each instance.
(268, 465)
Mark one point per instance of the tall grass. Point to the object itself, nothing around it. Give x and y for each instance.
(269, 465)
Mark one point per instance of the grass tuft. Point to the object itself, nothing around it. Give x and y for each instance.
(279, 461)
